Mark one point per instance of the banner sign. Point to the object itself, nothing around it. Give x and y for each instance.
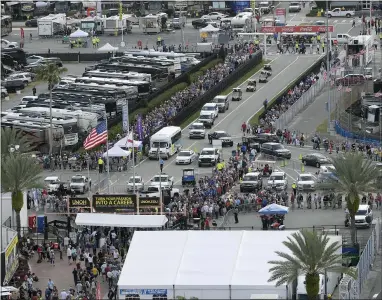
(143, 292)
(79, 202)
(149, 202)
(125, 117)
(296, 29)
(114, 203)
(281, 15)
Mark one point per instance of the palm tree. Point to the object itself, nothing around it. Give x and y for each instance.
(19, 172)
(51, 74)
(353, 175)
(311, 255)
(12, 136)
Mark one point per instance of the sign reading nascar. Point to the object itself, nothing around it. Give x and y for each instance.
(114, 203)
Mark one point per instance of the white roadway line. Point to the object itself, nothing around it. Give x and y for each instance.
(287, 84)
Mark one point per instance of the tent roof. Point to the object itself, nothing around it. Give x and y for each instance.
(209, 28)
(116, 152)
(107, 47)
(78, 34)
(123, 143)
(114, 220)
(236, 258)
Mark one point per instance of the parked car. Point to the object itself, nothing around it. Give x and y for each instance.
(8, 44)
(199, 23)
(25, 77)
(34, 58)
(31, 23)
(315, 160)
(4, 92)
(251, 183)
(364, 216)
(294, 7)
(351, 79)
(13, 85)
(215, 16)
(135, 182)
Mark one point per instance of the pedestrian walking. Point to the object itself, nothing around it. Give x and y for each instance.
(161, 163)
(34, 91)
(236, 214)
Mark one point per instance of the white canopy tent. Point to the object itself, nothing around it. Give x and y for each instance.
(209, 28)
(124, 143)
(116, 152)
(127, 221)
(79, 34)
(107, 48)
(234, 267)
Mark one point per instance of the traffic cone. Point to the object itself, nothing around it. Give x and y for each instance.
(300, 157)
(285, 162)
(195, 150)
(282, 164)
(302, 168)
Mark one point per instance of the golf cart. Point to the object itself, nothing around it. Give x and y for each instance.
(251, 85)
(263, 78)
(188, 177)
(267, 67)
(266, 167)
(237, 94)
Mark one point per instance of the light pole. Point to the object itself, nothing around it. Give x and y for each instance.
(328, 64)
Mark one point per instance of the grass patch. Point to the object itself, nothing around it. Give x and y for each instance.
(245, 77)
(323, 127)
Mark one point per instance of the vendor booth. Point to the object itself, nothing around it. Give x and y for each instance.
(116, 152)
(126, 143)
(107, 48)
(78, 39)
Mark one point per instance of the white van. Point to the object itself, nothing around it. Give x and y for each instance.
(165, 142)
(210, 109)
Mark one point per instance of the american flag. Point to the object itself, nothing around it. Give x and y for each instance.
(97, 136)
(339, 87)
(379, 94)
(348, 90)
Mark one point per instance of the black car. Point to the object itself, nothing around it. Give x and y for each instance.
(275, 149)
(199, 23)
(315, 160)
(31, 23)
(13, 85)
(261, 138)
(221, 135)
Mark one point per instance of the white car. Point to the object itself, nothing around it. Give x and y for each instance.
(4, 92)
(209, 157)
(52, 183)
(34, 58)
(185, 157)
(25, 77)
(278, 181)
(79, 184)
(27, 99)
(8, 44)
(214, 16)
(139, 184)
(210, 109)
(364, 212)
(197, 130)
(164, 180)
(325, 172)
(306, 182)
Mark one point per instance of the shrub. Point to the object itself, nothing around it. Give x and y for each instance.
(194, 76)
(166, 95)
(211, 64)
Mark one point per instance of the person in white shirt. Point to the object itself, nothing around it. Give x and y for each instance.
(63, 295)
(69, 254)
(90, 259)
(115, 254)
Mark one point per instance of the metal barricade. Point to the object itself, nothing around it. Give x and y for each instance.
(307, 98)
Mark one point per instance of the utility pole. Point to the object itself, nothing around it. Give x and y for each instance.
(328, 65)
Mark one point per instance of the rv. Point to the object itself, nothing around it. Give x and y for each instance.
(115, 25)
(361, 45)
(118, 75)
(93, 25)
(151, 24)
(51, 25)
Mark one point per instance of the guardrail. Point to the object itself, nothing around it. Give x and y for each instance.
(307, 98)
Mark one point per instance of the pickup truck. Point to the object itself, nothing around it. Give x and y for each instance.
(337, 12)
(341, 38)
(153, 191)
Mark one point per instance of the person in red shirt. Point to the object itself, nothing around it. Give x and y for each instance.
(244, 127)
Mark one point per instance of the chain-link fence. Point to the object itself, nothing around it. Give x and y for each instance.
(307, 98)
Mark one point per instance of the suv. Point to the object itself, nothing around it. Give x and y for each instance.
(251, 183)
(210, 108)
(79, 184)
(199, 23)
(52, 183)
(306, 182)
(222, 102)
(262, 138)
(209, 156)
(164, 180)
(197, 130)
(222, 136)
(139, 184)
(351, 79)
(13, 85)
(25, 77)
(294, 7)
(207, 120)
(275, 149)
(363, 216)
(278, 181)
(31, 23)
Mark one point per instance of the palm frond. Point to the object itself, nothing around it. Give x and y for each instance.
(13, 136)
(50, 73)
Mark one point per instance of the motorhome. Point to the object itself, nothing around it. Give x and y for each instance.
(51, 25)
(93, 25)
(38, 134)
(361, 45)
(173, 66)
(151, 24)
(69, 124)
(165, 142)
(114, 25)
(243, 22)
(118, 75)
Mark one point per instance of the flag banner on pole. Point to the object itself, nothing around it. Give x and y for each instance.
(348, 89)
(140, 128)
(339, 87)
(325, 76)
(97, 136)
(125, 118)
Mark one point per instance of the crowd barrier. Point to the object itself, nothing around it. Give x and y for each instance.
(359, 137)
(306, 99)
(210, 94)
(315, 68)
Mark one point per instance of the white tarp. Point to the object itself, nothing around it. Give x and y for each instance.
(124, 143)
(127, 221)
(79, 34)
(107, 48)
(209, 28)
(234, 267)
(116, 152)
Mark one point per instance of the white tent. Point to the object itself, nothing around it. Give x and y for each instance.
(107, 48)
(234, 267)
(114, 220)
(209, 28)
(124, 143)
(79, 34)
(116, 152)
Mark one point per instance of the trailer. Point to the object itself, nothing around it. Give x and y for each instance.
(243, 22)
(151, 24)
(93, 25)
(118, 25)
(51, 25)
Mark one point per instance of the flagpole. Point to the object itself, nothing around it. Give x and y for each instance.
(107, 158)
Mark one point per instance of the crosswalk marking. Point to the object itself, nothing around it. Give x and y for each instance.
(335, 21)
(343, 21)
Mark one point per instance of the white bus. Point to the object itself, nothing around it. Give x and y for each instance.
(165, 142)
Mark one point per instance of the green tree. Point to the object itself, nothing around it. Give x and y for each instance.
(50, 73)
(311, 254)
(353, 176)
(12, 136)
(323, 4)
(19, 172)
